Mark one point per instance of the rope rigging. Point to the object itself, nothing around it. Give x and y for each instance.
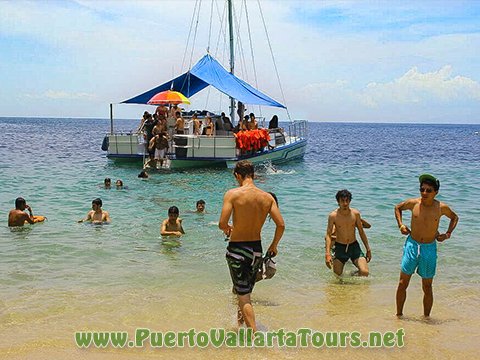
(222, 34)
(273, 59)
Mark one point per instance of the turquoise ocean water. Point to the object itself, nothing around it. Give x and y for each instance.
(60, 276)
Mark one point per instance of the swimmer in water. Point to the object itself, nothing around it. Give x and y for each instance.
(18, 216)
(97, 215)
(173, 225)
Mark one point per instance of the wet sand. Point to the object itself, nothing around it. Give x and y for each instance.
(47, 331)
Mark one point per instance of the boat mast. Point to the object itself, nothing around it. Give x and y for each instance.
(232, 60)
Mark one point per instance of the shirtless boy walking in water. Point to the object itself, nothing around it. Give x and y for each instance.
(250, 207)
(173, 225)
(420, 249)
(345, 220)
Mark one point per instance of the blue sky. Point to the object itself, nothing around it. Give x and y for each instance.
(367, 61)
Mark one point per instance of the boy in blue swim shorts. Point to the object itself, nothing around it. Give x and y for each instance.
(420, 249)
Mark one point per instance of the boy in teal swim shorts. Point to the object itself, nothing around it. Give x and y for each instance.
(420, 249)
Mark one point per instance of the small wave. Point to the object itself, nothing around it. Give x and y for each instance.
(269, 169)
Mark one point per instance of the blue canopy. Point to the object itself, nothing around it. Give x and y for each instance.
(208, 71)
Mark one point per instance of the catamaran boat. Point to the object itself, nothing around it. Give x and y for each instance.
(222, 149)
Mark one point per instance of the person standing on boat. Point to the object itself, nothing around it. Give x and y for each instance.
(159, 144)
(420, 249)
(162, 110)
(196, 125)
(148, 127)
(172, 119)
(180, 123)
(160, 126)
(142, 122)
(240, 111)
(249, 207)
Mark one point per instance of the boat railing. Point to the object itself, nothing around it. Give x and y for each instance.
(297, 130)
(126, 143)
(192, 146)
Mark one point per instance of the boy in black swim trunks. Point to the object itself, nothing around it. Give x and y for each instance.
(345, 220)
(249, 207)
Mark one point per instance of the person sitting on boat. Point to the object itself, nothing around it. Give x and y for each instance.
(173, 225)
(18, 216)
(97, 215)
(253, 124)
(242, 125)
(180, 123)
(159, 144)
(227, 124)
(219, 126)
(273, 124)
(208, 130)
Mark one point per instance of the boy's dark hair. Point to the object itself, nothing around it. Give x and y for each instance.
(434, 184)
(244, 168)
(201, 202)
(97, 201)
(19, 202)
(274, 197)
(343, 194)
(107, 180)
(173, 210)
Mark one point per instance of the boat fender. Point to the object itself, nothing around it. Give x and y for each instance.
(105, 143)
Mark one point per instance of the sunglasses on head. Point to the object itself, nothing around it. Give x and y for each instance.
(427, 190)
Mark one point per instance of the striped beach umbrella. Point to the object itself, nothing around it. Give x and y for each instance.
(168, 97)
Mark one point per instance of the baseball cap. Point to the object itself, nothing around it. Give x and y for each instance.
(429, 178)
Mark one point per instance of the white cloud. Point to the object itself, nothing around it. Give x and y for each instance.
(415, 87)
(52, 94)
(118, 49)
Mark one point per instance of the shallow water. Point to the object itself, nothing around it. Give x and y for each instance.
(60, 276)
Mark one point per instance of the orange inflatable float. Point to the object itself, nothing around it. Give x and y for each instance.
(37, 218)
